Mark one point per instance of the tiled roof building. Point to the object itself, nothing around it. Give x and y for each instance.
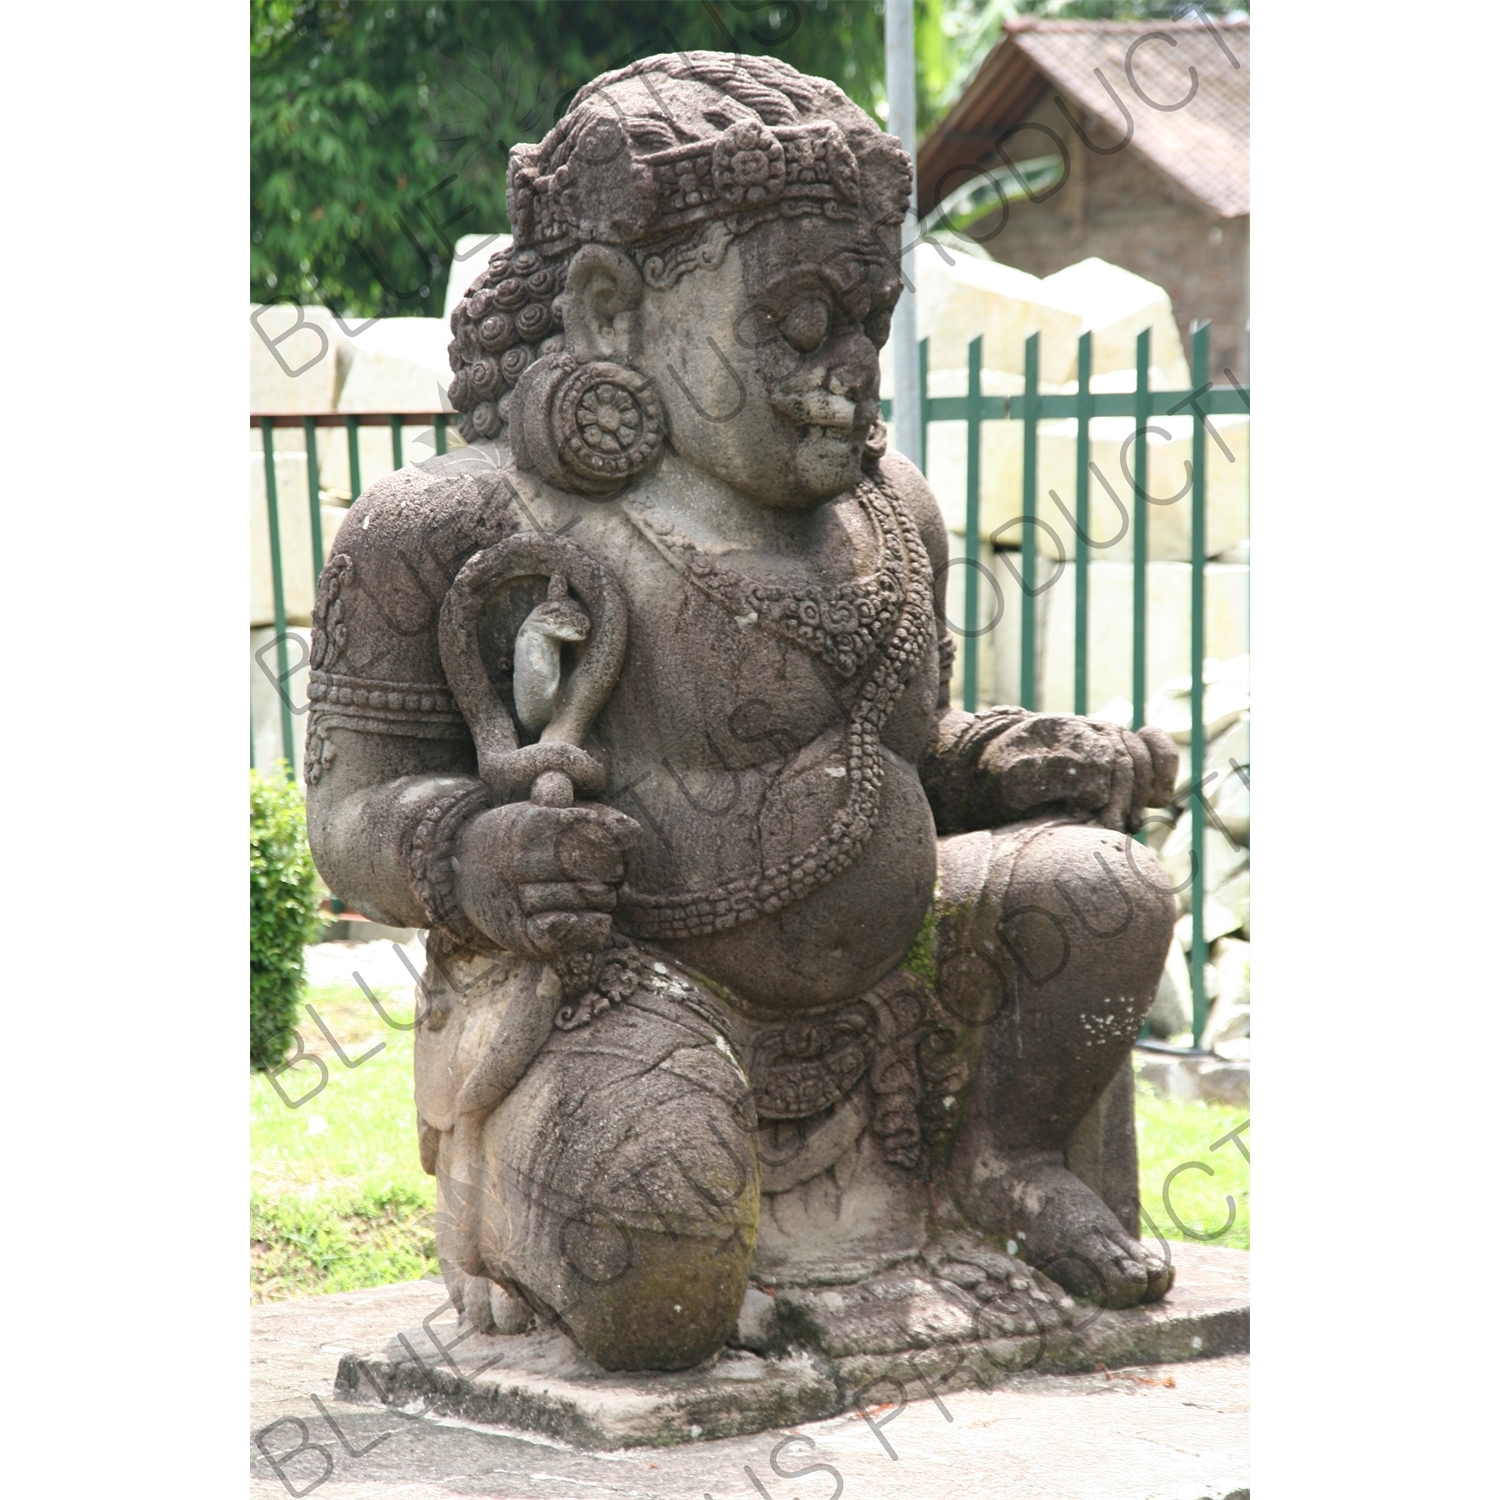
(1133, 139)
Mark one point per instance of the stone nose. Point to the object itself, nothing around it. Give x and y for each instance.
(855, 373)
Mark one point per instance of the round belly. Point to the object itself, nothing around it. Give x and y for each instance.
(840, 939)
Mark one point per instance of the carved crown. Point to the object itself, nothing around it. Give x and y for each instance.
(606, 193)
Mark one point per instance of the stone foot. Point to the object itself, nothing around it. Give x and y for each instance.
(1064, 1229)
(485, 1305)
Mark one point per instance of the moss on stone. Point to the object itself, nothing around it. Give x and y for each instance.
(921, 958)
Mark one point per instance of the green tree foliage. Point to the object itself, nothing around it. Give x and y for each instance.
(379, 132)
(283, 912)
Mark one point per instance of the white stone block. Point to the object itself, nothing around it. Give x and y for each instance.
(1111, 500)
(1232, 963)
(1111, 645)
(1229, 1016)
(1226, 761)
(471, 257)
(1230, 748)
(1112, 448)
(1172, 1010)
(294, 364)
(998, 639)
(1222, 859)
(295, 526)
(1116, 306)
(959, 296)
(1226, 1023)
(268, 687)
(1225, 911)
(1226, 697)
(1000, 446)
(1218, 921)
(375, 365)
(398, 364)
(962, 296)
(1234, 897)
(394, 365)
(1228, 793)
(376, 455)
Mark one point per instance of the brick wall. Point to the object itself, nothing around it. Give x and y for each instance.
(1124, 211)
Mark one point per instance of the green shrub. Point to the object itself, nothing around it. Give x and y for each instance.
(283, 912)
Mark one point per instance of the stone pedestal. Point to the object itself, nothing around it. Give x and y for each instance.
(899, 1336)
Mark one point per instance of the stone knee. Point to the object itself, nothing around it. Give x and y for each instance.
(1051, 946)
(1110, 910)
(629, 1196)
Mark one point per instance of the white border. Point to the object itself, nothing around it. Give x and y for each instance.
(1373, 267)
(126, 268)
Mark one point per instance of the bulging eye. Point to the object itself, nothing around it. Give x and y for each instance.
(806, 326)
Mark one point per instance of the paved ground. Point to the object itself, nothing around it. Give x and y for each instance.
(1125, 1435)
(379, 964)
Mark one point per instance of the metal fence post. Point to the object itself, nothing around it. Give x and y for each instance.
(922, 405)
(1199, 955)
(1028, 524)
(440, 435)
(314, 497)
(352, 424)
(396, 442)
(901, 121)
(278, 593)
(1138, 523)
(1141, 405)
(1081, 526)
(971, 530)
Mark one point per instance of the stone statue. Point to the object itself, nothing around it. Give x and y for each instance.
(753, 963)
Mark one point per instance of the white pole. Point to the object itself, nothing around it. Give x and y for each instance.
(901, 122)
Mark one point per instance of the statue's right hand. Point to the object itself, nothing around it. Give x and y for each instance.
(542, 881)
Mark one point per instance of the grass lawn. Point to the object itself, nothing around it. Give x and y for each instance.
(1171, 1132)
(338, 1199)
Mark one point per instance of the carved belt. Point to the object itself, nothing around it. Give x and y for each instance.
(800, 1069)
(798, 1066)
(802, 1066)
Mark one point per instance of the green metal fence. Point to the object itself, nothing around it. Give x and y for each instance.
(973, 408)
(1031, 407)
(351, 422)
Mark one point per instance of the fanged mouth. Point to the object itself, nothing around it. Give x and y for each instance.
(815, 432)
(817, 411)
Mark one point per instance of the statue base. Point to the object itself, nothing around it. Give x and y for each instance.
(904, 1335)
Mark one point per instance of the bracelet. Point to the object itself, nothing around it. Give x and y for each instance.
(432, 865)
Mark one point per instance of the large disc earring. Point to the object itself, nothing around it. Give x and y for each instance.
(589, 428)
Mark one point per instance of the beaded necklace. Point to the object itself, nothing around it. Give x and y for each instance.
(887, 616)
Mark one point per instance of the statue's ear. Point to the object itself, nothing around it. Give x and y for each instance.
(600, 300)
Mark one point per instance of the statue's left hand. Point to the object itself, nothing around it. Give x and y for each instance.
(1083, 765)
(542, 881)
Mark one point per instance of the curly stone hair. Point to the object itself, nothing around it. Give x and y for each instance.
(509, 316)
(656, 158)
